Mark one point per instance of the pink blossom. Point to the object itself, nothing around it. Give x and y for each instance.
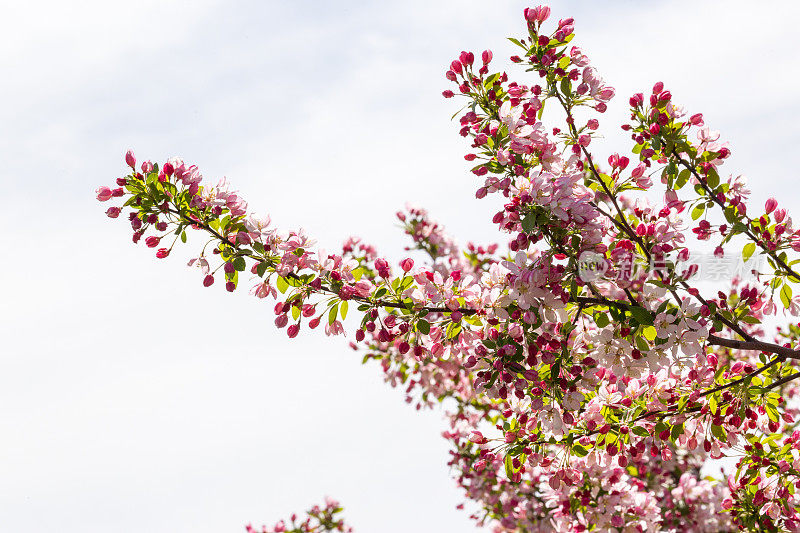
(103, 194)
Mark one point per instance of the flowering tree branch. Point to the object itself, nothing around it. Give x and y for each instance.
(587, 378)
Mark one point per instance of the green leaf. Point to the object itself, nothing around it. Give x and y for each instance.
(295, 312)
(642, 344)
(738, 227)
(579, 450)
(712, 404)
(650, 333)
(640, 431)
(261, 269)
(282, 284)
(566, 86)
(683, 177)
(786, 295)
(713, 178)
(509, 466)
(516, 41)
(423, 326)
(748, 250)
(601, 319)
(343, 309)
(491, 79)
(239, 264)
(529, 223)
(332, 313)
(698, 211)
(183, 237)
(641, 315)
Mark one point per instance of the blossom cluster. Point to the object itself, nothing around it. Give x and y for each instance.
(317, 520)
(573, 404)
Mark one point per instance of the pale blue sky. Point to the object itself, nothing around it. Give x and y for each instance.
(134, 399)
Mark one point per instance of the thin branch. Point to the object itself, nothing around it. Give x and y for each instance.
(768, 347)
(787, 269)
(783, 380)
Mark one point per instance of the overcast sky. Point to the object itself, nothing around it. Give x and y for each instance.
(133, 399)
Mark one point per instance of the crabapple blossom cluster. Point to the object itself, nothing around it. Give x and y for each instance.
(318, 520)
(574, 403)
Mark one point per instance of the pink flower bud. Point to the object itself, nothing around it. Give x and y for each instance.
(448, 94)
(208, 281)
(293, 330)
(104, 194)
(152, 241)
(477, 437)
(486, 57)
(658, 87)
(162, 253)
(770, 205)
(541, 13)
(537, 14)
(529, 14)
(407, 264)
(696, 119)
(456, 66)
(466, 58)
(113, 212)
(638, 172)
(130, 159)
